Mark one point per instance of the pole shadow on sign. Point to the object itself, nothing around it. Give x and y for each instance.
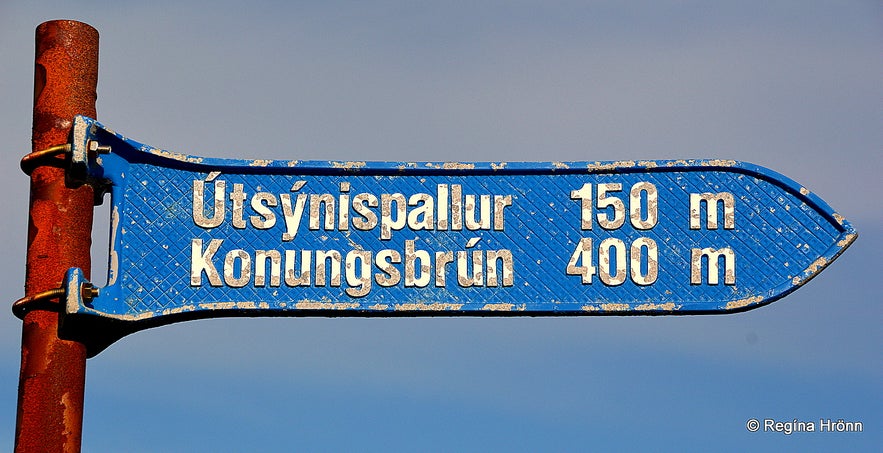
(195, 237)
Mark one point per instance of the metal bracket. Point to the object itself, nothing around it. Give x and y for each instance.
(80, 148)
(39, 158)
(83, 147)
(75, 290)
(75, 295)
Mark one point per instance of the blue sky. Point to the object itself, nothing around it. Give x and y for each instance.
(792, 86)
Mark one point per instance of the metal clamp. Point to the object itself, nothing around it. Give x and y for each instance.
(51, 300)
(38, 158)
(80, 147)
(45, 300)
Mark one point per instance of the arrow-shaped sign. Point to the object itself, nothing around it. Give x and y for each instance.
(199, 237)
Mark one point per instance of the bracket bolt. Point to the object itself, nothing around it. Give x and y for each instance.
(88, 291)
(96, 148)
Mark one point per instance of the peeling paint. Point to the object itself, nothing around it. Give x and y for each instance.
(379, 307)
(437, 306)
(743, 302)
(348, 165)
(181, 309)
(839, 218)
(816, 266)
(595, 166)
(847, 240)
(218, 306)
(804, 191)
(589, 308)
(260, 163)
(307, 305)
(498, 307)
(560, 165)
(293, 163)
(615, 307)
(81, 133)
(498, 166)
(73, 412)
(176, 156)
(668, 306)
(719, 163)
(458, 166)
(138, 317)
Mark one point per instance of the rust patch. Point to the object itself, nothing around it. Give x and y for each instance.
(52, 377)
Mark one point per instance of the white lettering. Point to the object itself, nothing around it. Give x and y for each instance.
(711, 201)
(712, 256)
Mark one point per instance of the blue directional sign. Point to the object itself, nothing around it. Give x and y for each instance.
(200, 237)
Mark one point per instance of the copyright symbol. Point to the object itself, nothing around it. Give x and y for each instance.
(752, 425)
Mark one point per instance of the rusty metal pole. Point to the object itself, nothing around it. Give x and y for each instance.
(53, 371)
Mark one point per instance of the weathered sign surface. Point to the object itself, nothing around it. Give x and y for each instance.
(197, 237)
